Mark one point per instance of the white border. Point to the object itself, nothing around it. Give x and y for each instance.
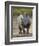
(33, 25)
